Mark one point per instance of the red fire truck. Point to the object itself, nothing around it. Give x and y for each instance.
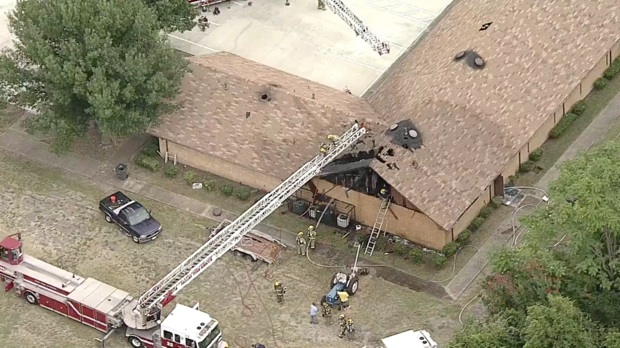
(107, 308)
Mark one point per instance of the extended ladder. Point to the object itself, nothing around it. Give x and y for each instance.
(166, 289)
(361, 29)
(376, 228)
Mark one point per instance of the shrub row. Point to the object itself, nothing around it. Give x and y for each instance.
(148, 162)
(563, 125)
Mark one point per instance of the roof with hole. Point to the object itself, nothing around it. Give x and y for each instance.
(284, 128)
(473, 121)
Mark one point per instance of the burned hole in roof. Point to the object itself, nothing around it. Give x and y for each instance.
(405, 134)
(472, 59)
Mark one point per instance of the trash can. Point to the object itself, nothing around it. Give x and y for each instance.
(121, 171)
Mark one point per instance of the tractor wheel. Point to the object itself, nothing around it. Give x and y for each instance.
(135, 342)
(323, 299)
(353, 285)
(31, 298)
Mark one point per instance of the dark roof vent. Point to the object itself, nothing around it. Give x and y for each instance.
(472, 59)
(405, 134)
(265, 97)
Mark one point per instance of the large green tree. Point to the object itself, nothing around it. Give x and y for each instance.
(78, 61)
(174, 15)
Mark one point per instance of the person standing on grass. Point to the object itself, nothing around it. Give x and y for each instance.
(313, 313)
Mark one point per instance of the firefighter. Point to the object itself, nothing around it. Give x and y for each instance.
(321, 5)
(350, 329)
(323, 149)
(342, 322)
(327, 314)
(343, 296)
(280, 291)
(333, 137)
(204, 6)
(301, 244)
(384, 193)
(203, 23)
(311, 236)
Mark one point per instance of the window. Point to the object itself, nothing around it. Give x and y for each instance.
(167, 335)
(190, 343)
(16, 254)
(139, 215)
(206, 343)
(177, 338)
(4, 254)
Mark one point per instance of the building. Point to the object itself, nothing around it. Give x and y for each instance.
(476, 120)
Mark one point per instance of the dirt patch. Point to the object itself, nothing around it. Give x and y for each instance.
(61, 225)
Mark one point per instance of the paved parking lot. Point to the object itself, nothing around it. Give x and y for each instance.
(311, 43)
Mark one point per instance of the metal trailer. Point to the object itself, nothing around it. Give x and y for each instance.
(256, 245)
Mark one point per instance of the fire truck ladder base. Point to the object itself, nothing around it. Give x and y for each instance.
(376, 228)
(164, 291)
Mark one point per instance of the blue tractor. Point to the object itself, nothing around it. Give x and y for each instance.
(341, 282)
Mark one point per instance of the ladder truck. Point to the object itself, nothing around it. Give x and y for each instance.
(107, 308)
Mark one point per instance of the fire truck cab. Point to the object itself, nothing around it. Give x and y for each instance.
(11, 250)
(184, 327)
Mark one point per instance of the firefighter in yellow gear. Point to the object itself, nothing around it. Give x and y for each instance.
(323, 150)
(342, 323)
(350, 329)
(301, 244)
(311, 236)
(334, 138)
(280, 291)
(327, 314)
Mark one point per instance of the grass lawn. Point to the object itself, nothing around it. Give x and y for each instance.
(554, 148)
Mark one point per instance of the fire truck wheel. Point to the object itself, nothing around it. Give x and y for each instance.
(135, 342)
(108, 219)
(30, 298)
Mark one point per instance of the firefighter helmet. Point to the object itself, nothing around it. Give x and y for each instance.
(311, 228)
(341, 316)
(350, 321)
(277, 283)
(383, 191)
(300, 234)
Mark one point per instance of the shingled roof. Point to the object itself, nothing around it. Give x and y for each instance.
(473, 121)
(258, 117)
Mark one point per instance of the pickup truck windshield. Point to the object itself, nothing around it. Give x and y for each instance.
(139, 215)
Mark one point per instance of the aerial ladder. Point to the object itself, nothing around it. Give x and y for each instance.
(150, 304)
(361, 29)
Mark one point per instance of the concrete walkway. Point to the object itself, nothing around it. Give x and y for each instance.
(599, 126)
(17, 141)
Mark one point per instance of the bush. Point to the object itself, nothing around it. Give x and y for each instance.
(475, 225)
(381, 244)
(485, 212)
(601, 83)
(613, 70)
(227, 189)
(243, 193)
(579, 107)
(438, 259)
(151, 149)
(148, 162)
(496, 202)
(401, 249)
(416, 255)
(189, 177)
(563, 125)
(527, 166)
(464, 237)
(209, 185)
(171, 170)
(536, 155)
(450, 249)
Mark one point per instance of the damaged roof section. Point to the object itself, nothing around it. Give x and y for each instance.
(405, 134)
(256, 116)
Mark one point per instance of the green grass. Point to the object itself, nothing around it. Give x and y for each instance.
(554, 148)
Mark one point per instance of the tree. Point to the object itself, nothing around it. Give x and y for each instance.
(586, 208)
(558, 325)
(612, 339)
(174, 15)
(491, 334)
(83, 61)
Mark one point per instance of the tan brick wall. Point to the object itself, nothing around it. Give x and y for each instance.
(572, 98)
(541, 134)
(559, 113)
(405, 223)
(615, 50)
(588, 82)
(511, 168)
(524, 153)
(472, 212)
(220, 167)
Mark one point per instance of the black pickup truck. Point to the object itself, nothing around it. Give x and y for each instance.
(133, 219)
